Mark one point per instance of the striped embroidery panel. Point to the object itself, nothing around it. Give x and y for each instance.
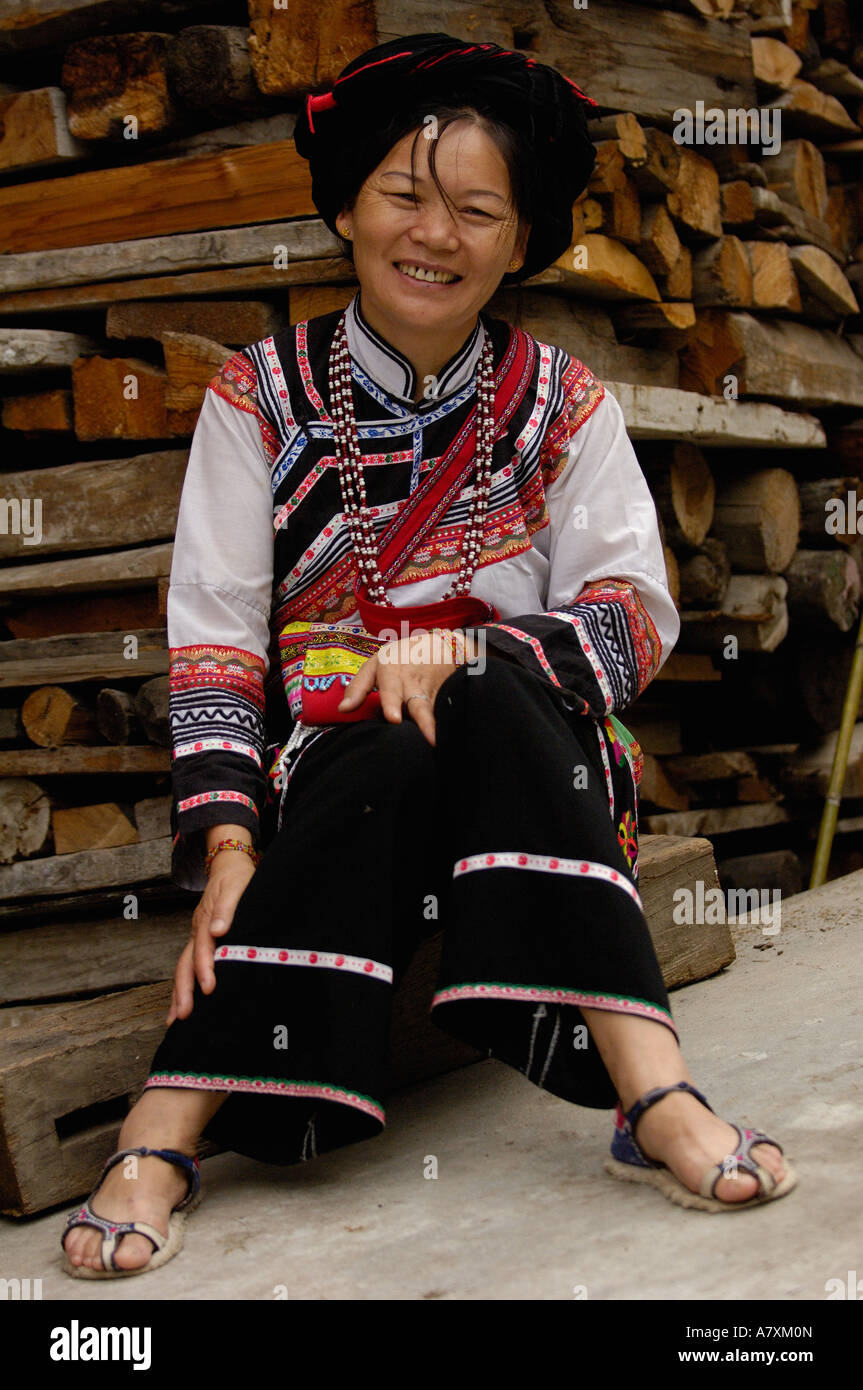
(618, 637)
(216, 701)
(268, 1086)
(191, 803)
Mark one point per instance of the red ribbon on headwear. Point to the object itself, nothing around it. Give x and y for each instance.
(324, 102)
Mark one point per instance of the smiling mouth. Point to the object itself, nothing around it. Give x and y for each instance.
(426, 277)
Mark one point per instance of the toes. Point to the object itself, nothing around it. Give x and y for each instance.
(132, 1252)
(737, 1188)
(769, 1156)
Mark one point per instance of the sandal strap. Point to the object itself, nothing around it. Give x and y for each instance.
(633, 1115)
(112, 1231)
(191, 1167)
(742, 1159)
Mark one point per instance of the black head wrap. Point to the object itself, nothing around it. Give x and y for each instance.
(347, 132)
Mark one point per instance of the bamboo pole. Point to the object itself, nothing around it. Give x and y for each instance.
(833, 798)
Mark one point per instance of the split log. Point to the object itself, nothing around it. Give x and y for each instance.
(824, 585)
(103, 505)
(694, 201)
(704, 576)
(81, 828)
(822, 281)
(736, 205)
(665, 865)
(721, 274)
(25, 819)
(116, 717)
(119, 398)
(308, 301)
(626, 131)
(82, 760)
(844, 218)
(51, 717)
(237, 322)
(688, 667)
(152, 708)
(774, 63)
(672, 574)
(683, 489)
(605, 269)
(716, 820)
(658, 175)
(774, 284)
(209, 68)
(779, 220)
(117, 83)
(34, 130)
(717, 766)
(191, 362)
(665, 324)
(808, 111)
(783, 360)
(10, 725)
(754, 614)
(677, 284)
(796, 174)
(836, 78)
(97, 868)
(757, 518)
(84, 613)
(125, 569)
(153, 817)
(43, 412)
(659, 243)
(40, 349)
(622, 214)
(656, 790)
(655, 412)
(306, 48)
(608, 173)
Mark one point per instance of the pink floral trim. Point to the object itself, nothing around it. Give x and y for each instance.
(577, 868)
(278, 379)
(544, 376)
(330, 960)
(204, 797)
(208, 745)
(533, 642)
(306, 372)
(584, 642)
(614, 1003)
(313, 475)
(607, 765)
(269, 1087)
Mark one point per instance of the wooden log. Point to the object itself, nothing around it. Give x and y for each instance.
(717, 820)
(237, 322)
(657, 791)
(51, 717)
(683, 489)
(164, 196)
(830, 511)
(677, 284)
(781, 221)
(836, 78)
(796, 174)
(772, 871)
(308, 301)
(306, 47)
(705, 575)
(97, 868)
(209, 69)
(757, 518)
(774, 63)
(116, 84)
(717, 766)
(101, 505)
(99, 954)
(736, 205)
(165, 257)
(96, 656)
(843, 219)
(40, 412)
(822, 279)
(191, 362)
(152, 708)
(672, 574)
(754, 614)
(694, 201)
(40, 349)
(774, 284)
(769, 357)
(604, 269)
(25, 819)
(658, 175)
(81, 828)
(656, 412)
(824, 585)
(609, 173)
(721, 274)
(119, 398)
(659, 243)
(808, 771)
(81, 760)
(153, 817)
(124, 569)
(83, 613)
(622, 214)
(625, 129)
(116, 717)
(810, 112)
(34, 130)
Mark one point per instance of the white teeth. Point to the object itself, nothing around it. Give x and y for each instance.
(416, 272)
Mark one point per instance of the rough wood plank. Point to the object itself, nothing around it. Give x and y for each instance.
(780, 359)
(111, 80)
(84, 656)
(236, 322)
(30, 24)
(104, 954)
(98, 868)
(720, 820)
(41, 349)
(305, 47)
(123, 569)
(78, 829)
(164, 196)
(81, 760)
(34, 130)
(656, 412)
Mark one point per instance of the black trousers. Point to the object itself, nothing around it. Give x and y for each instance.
(515, 836)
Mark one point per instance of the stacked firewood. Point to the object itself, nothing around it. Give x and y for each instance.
(155, 217)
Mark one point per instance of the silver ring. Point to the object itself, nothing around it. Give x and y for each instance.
(417, 697)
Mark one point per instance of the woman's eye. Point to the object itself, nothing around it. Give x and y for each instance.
(482, 212)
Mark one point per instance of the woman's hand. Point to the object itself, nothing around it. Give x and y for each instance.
(229, 875)
(414, 665)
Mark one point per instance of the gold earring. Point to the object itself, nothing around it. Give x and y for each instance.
(515, 265)
(346, 231)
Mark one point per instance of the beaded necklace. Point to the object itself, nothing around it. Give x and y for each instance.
(352, 481)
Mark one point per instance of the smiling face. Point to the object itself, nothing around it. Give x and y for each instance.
(405, 235)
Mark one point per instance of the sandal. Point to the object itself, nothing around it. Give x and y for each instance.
(629, 1163)
(164, 1247)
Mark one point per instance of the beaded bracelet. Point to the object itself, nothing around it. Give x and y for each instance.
(242, 845)
(458, 645)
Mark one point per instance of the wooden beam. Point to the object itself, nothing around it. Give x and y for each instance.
(104, 656)
(124, 569)
(97, 868)
(80, 761)
(34, 130)
(779, 359)
(655, 412)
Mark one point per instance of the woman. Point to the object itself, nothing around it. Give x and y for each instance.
(434, 529)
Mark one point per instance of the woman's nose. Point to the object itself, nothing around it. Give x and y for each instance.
(435, 226)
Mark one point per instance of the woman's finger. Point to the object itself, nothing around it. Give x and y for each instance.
(359, 687)
(420, 711)
(184, 982)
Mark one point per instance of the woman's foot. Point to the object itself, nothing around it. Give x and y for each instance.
(682, 1133)
(150, 1193)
